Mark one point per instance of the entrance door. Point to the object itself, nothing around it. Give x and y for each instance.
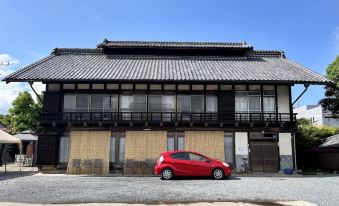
(264, 156)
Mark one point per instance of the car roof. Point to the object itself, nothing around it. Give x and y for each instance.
(177, 151)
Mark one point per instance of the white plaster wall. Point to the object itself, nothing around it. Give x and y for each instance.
(316, 114)
(283, 99)
(285, 143)
(241, 143)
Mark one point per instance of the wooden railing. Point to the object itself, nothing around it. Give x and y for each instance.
(155, 117)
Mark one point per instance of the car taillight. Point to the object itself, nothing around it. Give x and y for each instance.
(161, 158)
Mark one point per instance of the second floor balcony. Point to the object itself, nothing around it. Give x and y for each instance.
(168, 117)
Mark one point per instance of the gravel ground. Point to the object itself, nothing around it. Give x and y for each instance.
(84, 189)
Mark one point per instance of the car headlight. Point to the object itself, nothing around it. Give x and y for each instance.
(161, 159)
(225, 164)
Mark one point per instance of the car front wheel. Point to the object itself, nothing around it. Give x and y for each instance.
(218, 174)
(166, 174)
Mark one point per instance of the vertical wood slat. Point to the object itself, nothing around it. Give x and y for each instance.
(209, 143)
(47, 150)
(51, 102)
(142, 145)
(89, 145)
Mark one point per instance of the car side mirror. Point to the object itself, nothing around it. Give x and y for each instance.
(208, 161)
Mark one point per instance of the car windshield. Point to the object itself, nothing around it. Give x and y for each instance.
(193, 156)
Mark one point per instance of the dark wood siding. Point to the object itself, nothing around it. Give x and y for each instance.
(48, 149)
(226, 104)
(51, 102)
(264, 156)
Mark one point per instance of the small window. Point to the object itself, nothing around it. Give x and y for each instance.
(240, 87)
(68, 86)
(112, 148)
(122, 147)
(170, 141)
(141, 86)
(98, 86)
(83, 86)
(211, 87)
(228, 147)
(169, 87)
(181, 141)
(155, 86)
(197, 157)
(225, 87)
(183, 87)
(112, 86)
(127, 86)
(268, 87)
(254, 87)
(179, 156)
(53, 87)
(197, 87)
(64, 148)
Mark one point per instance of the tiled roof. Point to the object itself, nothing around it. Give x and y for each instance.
(162, 44)
(332, 141)
(95, 65)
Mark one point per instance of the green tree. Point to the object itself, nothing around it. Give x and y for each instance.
(24, 113)
(331, 101)
(310, 136)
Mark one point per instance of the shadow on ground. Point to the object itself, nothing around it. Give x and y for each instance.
(15, 174)
(205, 178)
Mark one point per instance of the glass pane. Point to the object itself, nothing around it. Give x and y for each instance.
(126, 103)
(241, 103)
(193, 156)
(168, 103)
(184, 103)
(155, 102)
(63, 149)
(197, 104)
(170, 141)
(181, 141)
(139, 103)
(269, 104)
(122, 147)
(112, 148)
(126, 106)
(110, 103)
(254, 104)
(97, 101)
(179, 156)
(212, 104)
(69, 103)
(82, 102)
(228, 146)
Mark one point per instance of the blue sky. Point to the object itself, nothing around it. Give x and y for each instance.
(308, 31)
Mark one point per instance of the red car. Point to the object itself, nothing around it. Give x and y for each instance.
(187, 163)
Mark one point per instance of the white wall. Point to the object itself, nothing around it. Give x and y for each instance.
(241, 143)
(283, 99)
(285, 143)
(316, 114)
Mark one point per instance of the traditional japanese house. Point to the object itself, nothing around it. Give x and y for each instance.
(116, 107)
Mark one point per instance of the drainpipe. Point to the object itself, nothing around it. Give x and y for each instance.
(302, 93)
(294, 146)
(31, 85)
(295, 155)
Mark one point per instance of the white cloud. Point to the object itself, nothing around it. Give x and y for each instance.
(8, 92)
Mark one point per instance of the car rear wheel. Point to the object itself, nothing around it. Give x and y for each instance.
(218, 174)
(166, 174)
